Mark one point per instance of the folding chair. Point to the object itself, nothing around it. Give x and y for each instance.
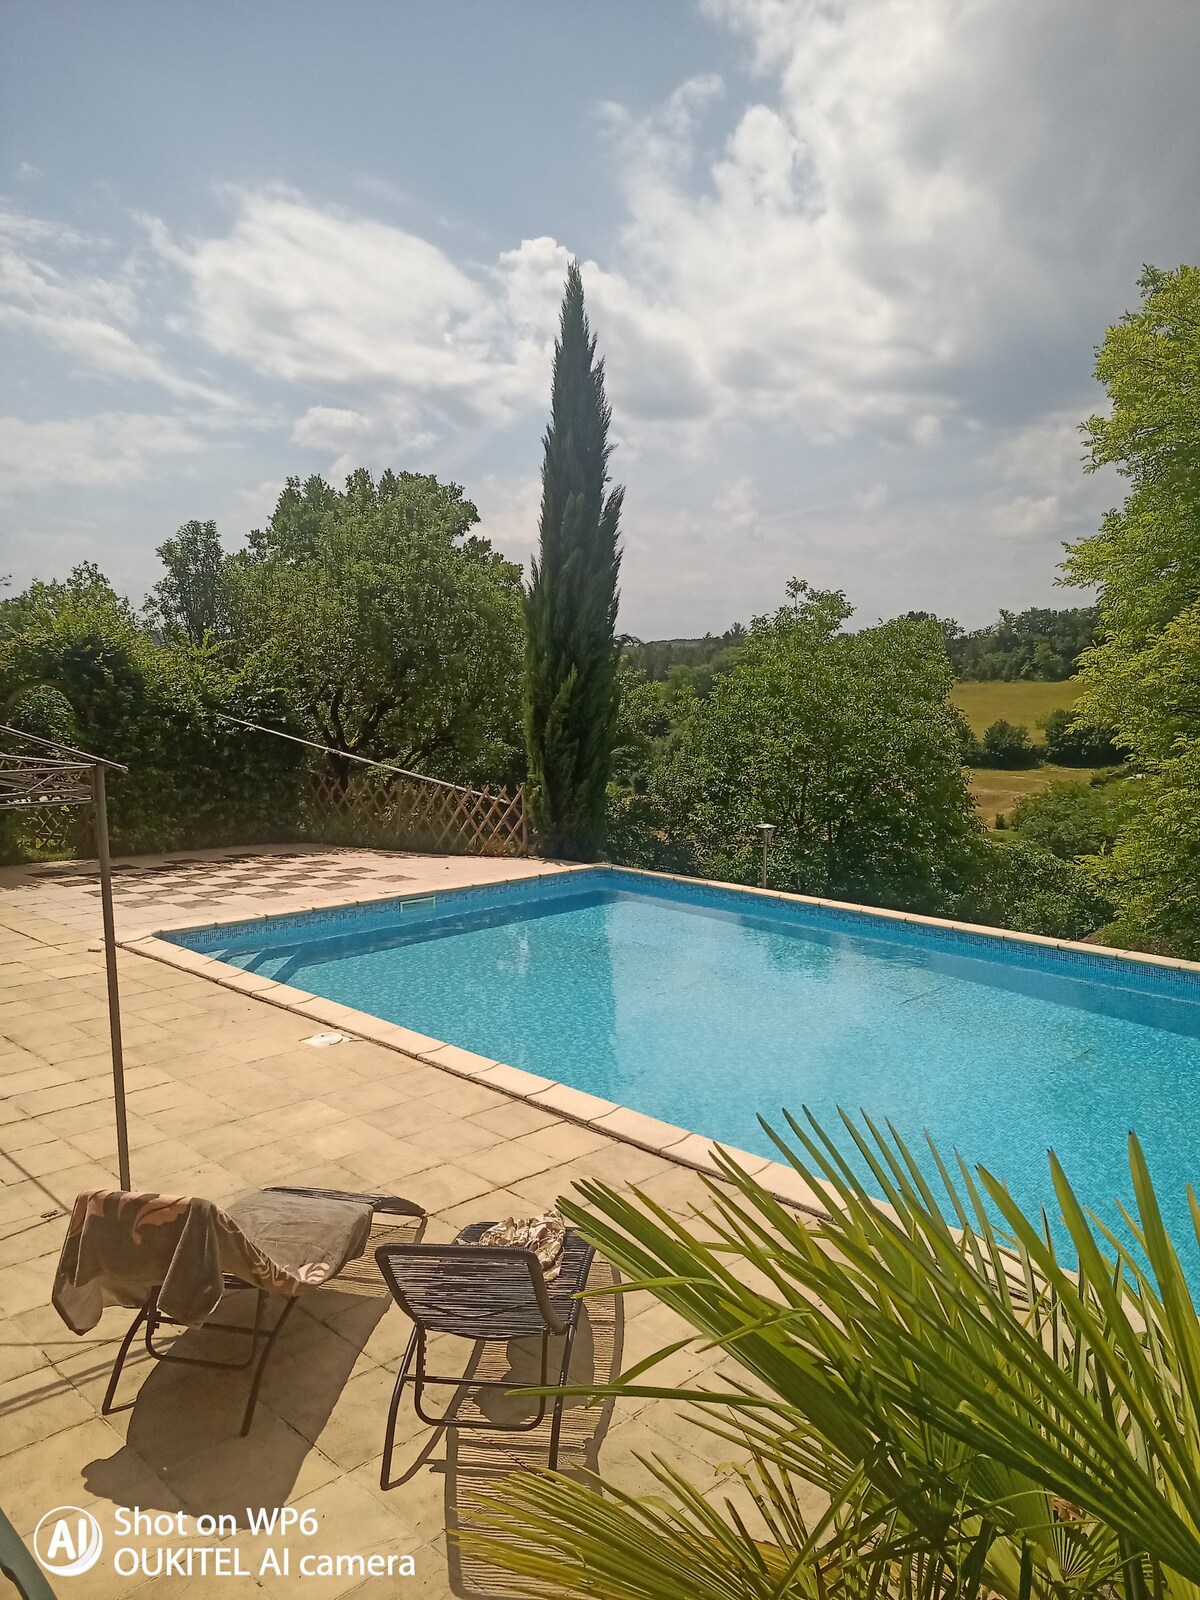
(484, 1293)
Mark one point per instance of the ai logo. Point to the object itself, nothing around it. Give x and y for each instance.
(68, 1541)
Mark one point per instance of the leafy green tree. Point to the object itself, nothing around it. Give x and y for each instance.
(638, 827)
(192, 601)
(1070, 819)
(296, 529)
(85, 582)
(571, 694)
(643, 722)
(1143, 678)
(969, 752)
(194, 780)
(1007, 744)
(397, 632)
(847, 742)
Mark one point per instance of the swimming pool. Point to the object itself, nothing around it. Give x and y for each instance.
(705, 1006)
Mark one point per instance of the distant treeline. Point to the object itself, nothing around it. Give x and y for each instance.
(692, 660)
(1039, 643)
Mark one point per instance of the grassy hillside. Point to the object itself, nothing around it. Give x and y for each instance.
(1021, 702)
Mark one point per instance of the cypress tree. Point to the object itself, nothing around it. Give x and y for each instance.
(571, 688)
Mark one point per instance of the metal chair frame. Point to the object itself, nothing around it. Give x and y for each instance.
(18, 1565)
(466, 1250)
(150, 1316)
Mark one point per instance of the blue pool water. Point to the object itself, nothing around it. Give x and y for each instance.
(706, 1007)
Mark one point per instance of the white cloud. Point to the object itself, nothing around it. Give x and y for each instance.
(931, 202)
(872, 498)
(328, 427)
(356, 439)
(99, 451)
(1025, 516)
(1049, 449)
(926, 431)
(892, 237)
(1039, 487)
(91, 313)
(737, 505)
(315, 295)
(509, 507)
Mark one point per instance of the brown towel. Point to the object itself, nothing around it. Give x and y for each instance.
(121, 1246)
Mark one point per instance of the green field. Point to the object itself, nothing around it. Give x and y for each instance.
(996, 792)
(1023, 702)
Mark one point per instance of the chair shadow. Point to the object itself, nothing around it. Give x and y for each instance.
(477, 1461)
(185, 1421)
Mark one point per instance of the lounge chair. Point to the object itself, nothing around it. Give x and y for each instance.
(483, 1293)
(174, 1257)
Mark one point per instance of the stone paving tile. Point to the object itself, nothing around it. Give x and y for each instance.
(515, 1118)
(223, 1096)
(507, 1163)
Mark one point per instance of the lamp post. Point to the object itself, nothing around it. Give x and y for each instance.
(766, 830)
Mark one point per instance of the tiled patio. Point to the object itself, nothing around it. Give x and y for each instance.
(225, 1095)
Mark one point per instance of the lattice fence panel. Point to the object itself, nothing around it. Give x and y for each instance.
(385, 810)
(47, 833)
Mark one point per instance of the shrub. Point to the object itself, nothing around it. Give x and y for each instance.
(1072, 742)
(1030, 890)
(1069, 819)
(640, 833)
(1007, 744)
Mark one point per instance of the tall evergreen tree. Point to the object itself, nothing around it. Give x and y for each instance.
(571, 603)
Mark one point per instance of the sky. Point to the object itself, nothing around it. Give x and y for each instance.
(847, 262)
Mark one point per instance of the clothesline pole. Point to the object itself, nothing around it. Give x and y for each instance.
(100, 811)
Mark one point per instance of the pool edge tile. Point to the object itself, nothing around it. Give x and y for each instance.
(516, 1080)
(336, 1015)
(786, 1184)
(463, 1063)
(577, 1104)
(409, 1040)
(697, 1150)
(637, 1128)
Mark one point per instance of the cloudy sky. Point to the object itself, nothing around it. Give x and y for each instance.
(847, 260)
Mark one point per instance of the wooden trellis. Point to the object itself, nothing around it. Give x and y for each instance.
(51, 830)
(377, 804)
(401, 812)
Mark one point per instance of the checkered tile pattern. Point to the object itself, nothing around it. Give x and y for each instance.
(196, 882)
